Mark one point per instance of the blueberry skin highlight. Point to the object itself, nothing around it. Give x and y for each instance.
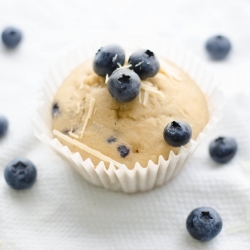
(204, 223)
(108, 59)
(177, 133)
(124, 85)
(223, 149)
(20, 173)
(11, 37)
(144, 63)
(3, 126)
(218, 47)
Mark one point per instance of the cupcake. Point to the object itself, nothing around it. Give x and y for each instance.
(126, 124)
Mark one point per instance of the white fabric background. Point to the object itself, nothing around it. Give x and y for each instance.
(61, 211)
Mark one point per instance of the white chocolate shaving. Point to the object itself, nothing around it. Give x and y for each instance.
(170, 71)
(122, 67)
(78, 107)
(87, 149)
(145, 101)
(126, 66)
(90, 111)
(138, 64)
(106, 78)
(140, 98)
(148, 83)
(153, 91)
(114, 58)
(73, 135)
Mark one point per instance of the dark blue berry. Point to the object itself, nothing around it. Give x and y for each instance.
(3, 126)
(111, 139)
(124, 85)
(108, 59)
(177, 133)
(204, 223)
(218, 47)
(123, 150)
(55, 109)
(223, 149)
(144, 63)
(11, 37)
(20, 173)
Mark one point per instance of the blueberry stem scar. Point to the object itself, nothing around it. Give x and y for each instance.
(149, 53)
(175, 124)
(124, 79)
(206, 216)
(19, 168)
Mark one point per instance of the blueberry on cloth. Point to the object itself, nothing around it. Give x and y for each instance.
(144, 63)
(124, 85)
(108, 59)
(177, 133)
(223, 149)
(3, 126)
(20, 173)
(218, 47)
(123, 150)
(204, 223)
(11, 37)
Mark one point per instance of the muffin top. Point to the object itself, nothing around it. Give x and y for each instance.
(88, 120)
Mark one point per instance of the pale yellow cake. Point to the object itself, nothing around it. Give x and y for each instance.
(89, 121)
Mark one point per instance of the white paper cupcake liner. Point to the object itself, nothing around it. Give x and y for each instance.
(122, 179)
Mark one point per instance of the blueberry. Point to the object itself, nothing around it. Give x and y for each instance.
(11, 37)
(111, 139)
(20, 173)
(177, 133)
(124, 85)
(108, 59)
(3, 126)
(123, 150)
(223, 149)
(204, 223)
(55, 109)
(144, 63)
(218, 47)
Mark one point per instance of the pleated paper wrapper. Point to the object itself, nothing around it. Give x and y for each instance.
(123, 179)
